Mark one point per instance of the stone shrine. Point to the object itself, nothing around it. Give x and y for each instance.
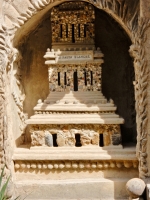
(75, 112)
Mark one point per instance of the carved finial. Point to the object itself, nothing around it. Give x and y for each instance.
(111, 101)
(48, 50)
(52, 50)
(39, 101)
(98, 49)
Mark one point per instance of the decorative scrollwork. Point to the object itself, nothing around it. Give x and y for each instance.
(137, 51)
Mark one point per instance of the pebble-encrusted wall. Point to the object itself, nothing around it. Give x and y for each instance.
(73, 22)
(41, 135)
(88, 77)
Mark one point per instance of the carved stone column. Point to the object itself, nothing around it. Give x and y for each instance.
(144, 13)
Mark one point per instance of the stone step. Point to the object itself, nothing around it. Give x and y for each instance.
(76, 99)
(28, 152)
(74, 115)
(79, 97)
(75, 107)
(79, 189)
(77, 93)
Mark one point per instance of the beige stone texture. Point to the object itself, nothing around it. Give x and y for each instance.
(67, 172)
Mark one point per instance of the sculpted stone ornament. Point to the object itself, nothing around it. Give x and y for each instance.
(41, 138)
(65, 138)
(38, 138)
(48, 139)
(89, 137)
(137, 51)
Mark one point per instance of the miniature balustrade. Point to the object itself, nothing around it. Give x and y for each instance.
(76, 138)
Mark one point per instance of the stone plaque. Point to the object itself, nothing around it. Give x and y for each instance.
(75, 57)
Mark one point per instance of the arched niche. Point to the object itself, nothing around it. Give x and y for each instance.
(19, 18)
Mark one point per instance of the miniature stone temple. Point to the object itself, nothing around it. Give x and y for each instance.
(75, 113)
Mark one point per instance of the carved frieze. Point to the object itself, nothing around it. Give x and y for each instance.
(74, 165)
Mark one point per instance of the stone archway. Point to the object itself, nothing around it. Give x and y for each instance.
(17, 21)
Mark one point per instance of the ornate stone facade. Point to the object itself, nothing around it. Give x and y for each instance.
(66, 83)
(78, 27)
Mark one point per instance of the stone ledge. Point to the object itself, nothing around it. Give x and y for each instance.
(26, 152)
(59, 158)
(83, 189)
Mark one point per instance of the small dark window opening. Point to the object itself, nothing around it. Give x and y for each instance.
(61, 30)
(78, 143)
(85, 30)
(91, 78)
(73, 38)
(55, 140)
(101, 140)
(79, 30)
(75, 80)
(58, 78)
(85, 80)
(66, 30)
(65, 78)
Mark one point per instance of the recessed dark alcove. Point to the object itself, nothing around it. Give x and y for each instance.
(117, 70)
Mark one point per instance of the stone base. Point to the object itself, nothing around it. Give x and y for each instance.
(74, 173)
(82, 189)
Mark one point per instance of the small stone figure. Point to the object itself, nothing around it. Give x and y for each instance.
(37, 138)
(89, 137)
(65, 138)
(48, 139)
